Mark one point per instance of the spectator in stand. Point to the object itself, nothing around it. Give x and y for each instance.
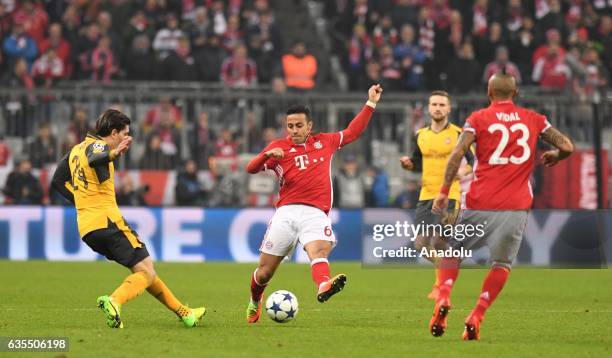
(141, 64)
(217, 14)
(361, 50)
(6, 23)
(170, 139)
(71, 27)
(18, 77)
(102, 63)
(264, 58)
(79, 126)
(201, 141)
(268, 32)
(267, 136)
(22, 187)
(409, 197)
(553, 39)
(391, 69)
(139, 25)
(210, 60)
(154, 158)
(156, 13)
(349, 187)
(515, 15)
(34, 19)
(105, 23)
(501, 61)
(179, 65)
(299, 68)
(522, 48)
(48, 69)
(464, 72)
(411, 58)
(189, 191)
(603, 40)
(60, 45)
(200, 29)
(19, 45)
(487, 46)
(480, 23)
(372, 76)
(128, 195)
(5, 153)
(239, 71)
(164, 108)
(553, 20)
(42, 149)
(405, 12)
(226, 151)
(232, 36)
(593, 75)
(70, 140)
(86, 45)
(167, 39)
(551, 71)
(385, 33)
(456, 30)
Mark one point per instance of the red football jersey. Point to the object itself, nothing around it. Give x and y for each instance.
(304, 172)
(506, 136)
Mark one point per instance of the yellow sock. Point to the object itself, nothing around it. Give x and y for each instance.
(437, 284)
(162, 293)
(132, 286)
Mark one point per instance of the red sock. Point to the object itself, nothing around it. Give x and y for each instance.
(448, 270)
(256, 289)
(320, 271)
(492, 286)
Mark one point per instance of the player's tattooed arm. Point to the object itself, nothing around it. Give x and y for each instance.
(558, 140)
(454, 162)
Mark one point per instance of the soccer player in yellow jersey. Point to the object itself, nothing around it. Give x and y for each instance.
(432, 148)
(85, 176)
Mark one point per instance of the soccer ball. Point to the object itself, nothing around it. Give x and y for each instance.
(282, 306)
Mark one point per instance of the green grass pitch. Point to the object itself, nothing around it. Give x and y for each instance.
(382, 312)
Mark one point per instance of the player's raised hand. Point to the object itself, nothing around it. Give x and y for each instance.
(374, 93)
(275, 153)
(440, 204)
(407, 163)
(124, 145)
(550, 158)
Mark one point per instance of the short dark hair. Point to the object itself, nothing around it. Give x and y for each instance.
(109, 120)
(440, 93)
(300, 108)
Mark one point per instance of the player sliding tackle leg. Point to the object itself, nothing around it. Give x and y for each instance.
(85, 177)
(302, 163)
(506, 137)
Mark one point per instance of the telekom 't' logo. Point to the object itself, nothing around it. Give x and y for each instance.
(301, 161)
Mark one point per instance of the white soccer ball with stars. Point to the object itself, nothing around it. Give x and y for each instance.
(282, 306)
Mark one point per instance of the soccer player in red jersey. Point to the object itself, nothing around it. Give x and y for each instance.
(302, 163)
(500, 195)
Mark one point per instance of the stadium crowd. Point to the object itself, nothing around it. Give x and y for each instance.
(406, 45)
(456, 45)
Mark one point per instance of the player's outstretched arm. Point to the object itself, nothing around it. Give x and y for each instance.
(360, 122)
(62, 179)
(452, 167)
(257, 164)
(564, 146)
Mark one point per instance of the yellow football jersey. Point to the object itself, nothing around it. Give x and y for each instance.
(88, 175)
(431, 153)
